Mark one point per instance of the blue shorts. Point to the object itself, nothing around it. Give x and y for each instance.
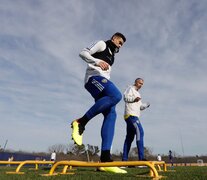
(99, 86)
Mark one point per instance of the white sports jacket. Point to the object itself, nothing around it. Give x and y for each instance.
(132, 108)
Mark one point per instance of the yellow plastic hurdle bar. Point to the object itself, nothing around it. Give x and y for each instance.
(153, 171)
(155, 164)
(10, 162)
(22, 163)
(158, 163)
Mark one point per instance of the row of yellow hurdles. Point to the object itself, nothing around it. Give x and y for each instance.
(154, 166)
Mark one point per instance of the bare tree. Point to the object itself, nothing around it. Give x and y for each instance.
(93, 150)
(58, 148)
(134, 152)
(78, 150)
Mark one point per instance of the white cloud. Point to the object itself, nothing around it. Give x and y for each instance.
(41, 75)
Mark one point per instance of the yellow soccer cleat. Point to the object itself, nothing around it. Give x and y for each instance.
(112, 170)
(76, 136)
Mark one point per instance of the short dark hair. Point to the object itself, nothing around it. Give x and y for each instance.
(138, 79)
(120, 35)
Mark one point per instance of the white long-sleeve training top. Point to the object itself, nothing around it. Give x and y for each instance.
(132, 108)
(92, 68)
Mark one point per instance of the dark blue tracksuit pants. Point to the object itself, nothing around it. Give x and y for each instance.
(134, 127)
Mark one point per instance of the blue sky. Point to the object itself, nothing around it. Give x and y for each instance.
(41, 74)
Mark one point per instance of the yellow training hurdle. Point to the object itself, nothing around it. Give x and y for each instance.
(22, 163)
(150, 164)
(10, 162)
(158, 163)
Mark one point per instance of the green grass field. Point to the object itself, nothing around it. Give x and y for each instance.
(180, 173)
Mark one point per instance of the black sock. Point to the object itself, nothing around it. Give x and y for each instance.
(106, 156)
(83, 121)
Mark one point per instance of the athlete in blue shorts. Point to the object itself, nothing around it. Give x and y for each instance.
(100, 58)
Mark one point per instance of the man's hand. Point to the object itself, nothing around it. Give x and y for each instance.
(137, 99)
(103, 65)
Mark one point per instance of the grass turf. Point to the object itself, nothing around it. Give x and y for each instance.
(180, 173)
